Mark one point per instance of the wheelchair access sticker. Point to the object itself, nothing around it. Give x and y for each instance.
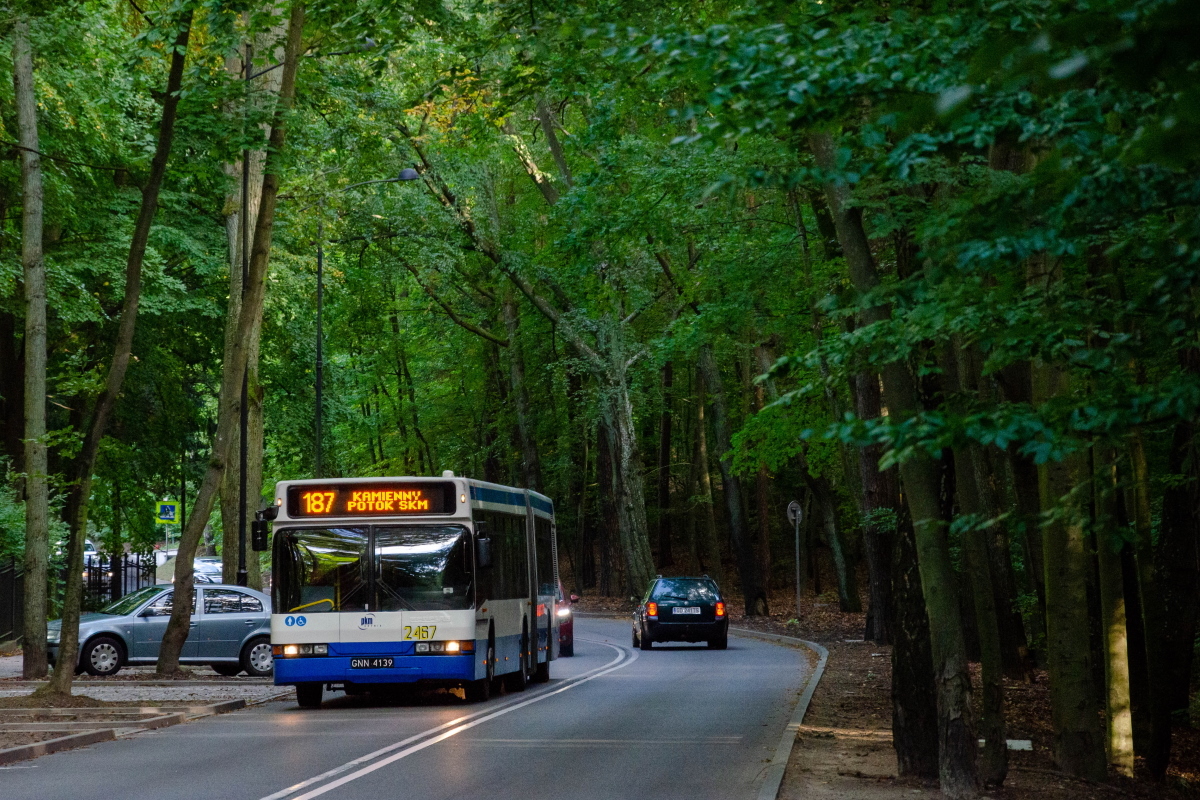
(298, 621)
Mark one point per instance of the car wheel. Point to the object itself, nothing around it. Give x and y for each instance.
(567, 650)
(644, 641)
(720, 643)
(228, 670)
(480, 691)
(308, 695)
(635, 637)
(103, 656)
(257, 659)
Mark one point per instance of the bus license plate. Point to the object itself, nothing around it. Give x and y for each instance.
(372, 663)
(686, 610)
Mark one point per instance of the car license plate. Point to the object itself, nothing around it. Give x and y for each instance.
(686, 610)
(372, 663)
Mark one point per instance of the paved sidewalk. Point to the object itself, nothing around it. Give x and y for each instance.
(206, 687)
(10, 666)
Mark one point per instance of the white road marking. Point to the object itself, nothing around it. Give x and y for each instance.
(624, 658)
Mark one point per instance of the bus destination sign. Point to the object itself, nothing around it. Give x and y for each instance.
(375, 499)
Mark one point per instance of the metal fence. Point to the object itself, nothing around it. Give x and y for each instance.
(106, 578)
(12, 600)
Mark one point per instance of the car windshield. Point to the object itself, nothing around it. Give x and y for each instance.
(129, 603)
(691, 590)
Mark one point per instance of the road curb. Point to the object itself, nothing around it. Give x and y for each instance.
(774, 775)
(168, 717)
(35, 749)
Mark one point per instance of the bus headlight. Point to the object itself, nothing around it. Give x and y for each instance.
(451, 648)
(299, 650)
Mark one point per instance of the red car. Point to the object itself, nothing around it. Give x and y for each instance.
(566, 621)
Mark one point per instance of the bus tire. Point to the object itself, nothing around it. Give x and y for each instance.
(517, 681)
(308, 695)
(542, 673)
(480, 691)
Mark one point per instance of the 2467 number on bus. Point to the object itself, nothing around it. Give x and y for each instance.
(421, 633)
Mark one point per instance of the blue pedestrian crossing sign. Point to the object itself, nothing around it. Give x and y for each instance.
(166, 512)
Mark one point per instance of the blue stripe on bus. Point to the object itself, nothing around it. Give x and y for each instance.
(515, 499)
(497, 496)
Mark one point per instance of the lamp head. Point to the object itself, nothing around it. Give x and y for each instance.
(408, 174)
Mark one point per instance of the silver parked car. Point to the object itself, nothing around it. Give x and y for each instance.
(231, 631)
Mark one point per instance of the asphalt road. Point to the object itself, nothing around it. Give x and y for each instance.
(614, 722)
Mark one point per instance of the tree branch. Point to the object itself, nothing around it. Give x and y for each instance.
(462, 323)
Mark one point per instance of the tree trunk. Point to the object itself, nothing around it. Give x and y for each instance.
(1112, 611)
(710, 545)
(1177, 585)
(37, 485)
(957, 772)
(752, 588)
(1149, 740)
(630, 490)
(914, 694)
(665, 557)
(827, 509)
(230, 397)
(1016, 384)
(263, 96)
(531, 468)
(993, 763)
(880, 498)
(607, 507)
(1013, 643)
(1079, 741)
(79, 496)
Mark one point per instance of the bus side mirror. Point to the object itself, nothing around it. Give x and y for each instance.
(259, 540)
(483, 553)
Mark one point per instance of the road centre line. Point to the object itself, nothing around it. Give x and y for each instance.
(624, 658)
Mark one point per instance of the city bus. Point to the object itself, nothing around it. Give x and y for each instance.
(444, 581)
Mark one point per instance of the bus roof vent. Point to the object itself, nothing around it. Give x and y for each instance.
(447, 473)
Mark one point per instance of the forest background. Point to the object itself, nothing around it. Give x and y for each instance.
(930, 270)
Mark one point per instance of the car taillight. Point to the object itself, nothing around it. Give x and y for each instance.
(720, 609)
(652, 609)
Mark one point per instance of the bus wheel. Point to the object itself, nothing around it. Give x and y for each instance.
(542, 673)
(517, 681)
(308, 695)
(480, 691)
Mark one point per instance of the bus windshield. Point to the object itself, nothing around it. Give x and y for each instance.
(423, 567)
(384, 568)
(321, 570)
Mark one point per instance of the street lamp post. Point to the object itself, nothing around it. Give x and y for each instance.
(406, 174)
(243, 578)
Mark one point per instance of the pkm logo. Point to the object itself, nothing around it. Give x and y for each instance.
(366, 622)
(297, 621)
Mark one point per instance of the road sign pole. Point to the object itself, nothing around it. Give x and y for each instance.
(798, 569)
(795, 513)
